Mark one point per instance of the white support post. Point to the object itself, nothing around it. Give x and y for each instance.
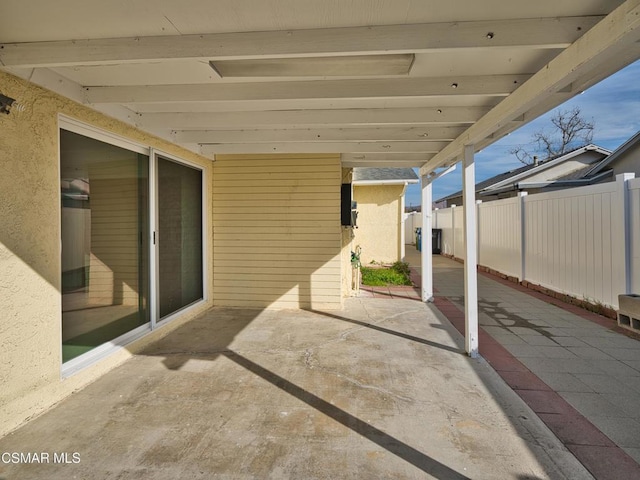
(470, 262)
(426, 258)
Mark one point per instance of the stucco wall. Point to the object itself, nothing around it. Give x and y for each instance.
(30, 264)
(379, 222)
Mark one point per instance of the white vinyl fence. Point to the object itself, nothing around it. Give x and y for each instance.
(500, 235)
(412, 221)
(584, 241)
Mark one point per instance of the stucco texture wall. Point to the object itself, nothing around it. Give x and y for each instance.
(30, 264)
(379, 222)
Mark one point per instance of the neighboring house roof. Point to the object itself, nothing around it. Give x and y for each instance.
(621, 150)
(490, 181)
(516, 178)
(383, 176)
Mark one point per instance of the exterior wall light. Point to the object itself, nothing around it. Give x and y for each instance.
(8, 103)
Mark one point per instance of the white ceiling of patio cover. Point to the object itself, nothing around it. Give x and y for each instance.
(468, 56)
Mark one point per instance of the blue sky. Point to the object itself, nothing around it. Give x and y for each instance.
(613, 104)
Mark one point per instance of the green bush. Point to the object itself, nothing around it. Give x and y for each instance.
(398, 274)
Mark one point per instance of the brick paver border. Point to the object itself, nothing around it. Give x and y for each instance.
(603, 458)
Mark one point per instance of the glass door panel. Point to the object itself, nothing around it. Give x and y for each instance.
(105, 280)
(179, 236)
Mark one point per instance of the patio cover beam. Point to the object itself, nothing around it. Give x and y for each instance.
(339, 117)
(451, 86)
(355, 134)
(323, 147)
(323, 42)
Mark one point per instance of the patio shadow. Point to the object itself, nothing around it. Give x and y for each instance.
(389, 443)
(392, 332)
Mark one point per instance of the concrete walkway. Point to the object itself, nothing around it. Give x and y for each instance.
(381, 389)
(576, 370)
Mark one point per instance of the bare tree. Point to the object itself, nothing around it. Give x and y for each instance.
(571, 131)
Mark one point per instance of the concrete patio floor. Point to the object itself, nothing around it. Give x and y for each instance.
(380, 389)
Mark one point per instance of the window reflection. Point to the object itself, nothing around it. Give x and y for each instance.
(104, 196)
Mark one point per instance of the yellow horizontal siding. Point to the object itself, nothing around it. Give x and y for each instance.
(277, 234)
(295, 272)
(278, 246)
(273, 235)
(223, 190)
(260, 209)
(308, 225)
(287, 218)
(283, 174)
(276, 288)
(303, 203)
(272, 264)
(262, 169)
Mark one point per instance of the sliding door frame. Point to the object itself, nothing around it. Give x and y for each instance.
(102, 351)
(154, 249)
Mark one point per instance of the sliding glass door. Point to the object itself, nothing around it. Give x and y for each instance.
(179, 236)
(132, 244)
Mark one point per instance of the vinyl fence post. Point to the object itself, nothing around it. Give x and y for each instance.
(523, 238)
(621, 245)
